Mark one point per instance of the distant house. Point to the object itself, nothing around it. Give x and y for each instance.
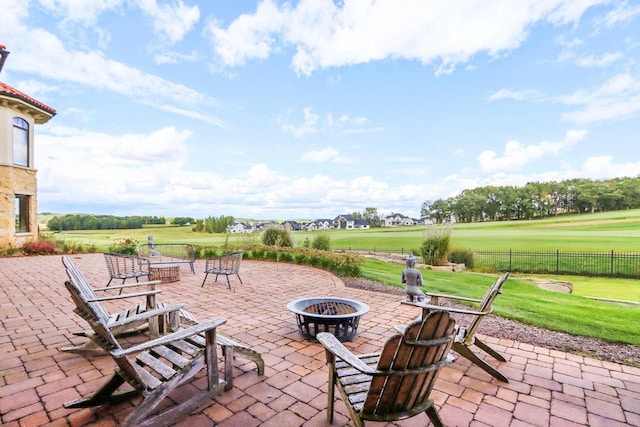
(19, 113)
(239, 227)
(291, 226)
(397, 219)
(348, 222)
(261, 226)
(424, 221)
(320, 224)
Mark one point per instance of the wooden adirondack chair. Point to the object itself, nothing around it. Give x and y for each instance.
(147, 314)
(396, 383)
(466, 335)
(159, 318)
(227, 265)
(154, 369)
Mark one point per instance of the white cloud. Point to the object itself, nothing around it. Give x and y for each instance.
(173, 57)
(85, 11)
(343, 125)
(328, 154)
(622, 14)
(590, 61)
(516, 155)
(320, 156)
(308, 126)
(171, 21)
(325, 34)
(522, 95)
(617, 99)
(248, 37)
(604, 167)
(346, 125)
(96, 168)
(43, 53)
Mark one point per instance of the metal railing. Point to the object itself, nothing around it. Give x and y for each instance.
(583, 263)
(611, 264)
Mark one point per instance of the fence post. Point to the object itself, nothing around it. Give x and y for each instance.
(510, 260)
(557, 260)
(612, 263)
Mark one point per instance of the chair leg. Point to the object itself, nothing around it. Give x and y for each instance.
(105, 394)
(489, 350)
(464, 351)
(205, 279)
(239, 278)
(331, 391)
(228, 281)
(227, 354)
(434, 417)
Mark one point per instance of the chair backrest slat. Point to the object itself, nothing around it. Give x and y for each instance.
(82, 290)
(420, 349)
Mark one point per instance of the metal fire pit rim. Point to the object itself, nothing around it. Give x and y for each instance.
(361, 308)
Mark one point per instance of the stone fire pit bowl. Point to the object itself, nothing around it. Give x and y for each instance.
(339, 316)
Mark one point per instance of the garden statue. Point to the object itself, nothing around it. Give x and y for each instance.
(152, 246)
(413, 278)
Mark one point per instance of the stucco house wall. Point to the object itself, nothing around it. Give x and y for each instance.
(18, 180)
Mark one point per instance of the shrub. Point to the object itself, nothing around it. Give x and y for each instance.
(321, 242)
(39, 247)
(342, 264)
(125, 246)
(435, 247)
(9, 251)
(74, 247)
(277, 237)
(462, 256)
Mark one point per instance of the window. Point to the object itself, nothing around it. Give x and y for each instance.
(22, 213)
(20, 142)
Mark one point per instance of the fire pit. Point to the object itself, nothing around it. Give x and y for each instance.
(327, 314)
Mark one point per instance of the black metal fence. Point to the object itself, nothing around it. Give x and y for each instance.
(611, 264)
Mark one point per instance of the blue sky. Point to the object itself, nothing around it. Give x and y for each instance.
(313, 108)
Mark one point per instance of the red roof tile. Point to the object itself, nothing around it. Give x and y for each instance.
(7, 90)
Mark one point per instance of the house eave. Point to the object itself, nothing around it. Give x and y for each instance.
(14, 102)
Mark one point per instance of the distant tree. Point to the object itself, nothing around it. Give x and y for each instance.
(182, 220)
(536, 200)
(372, 217)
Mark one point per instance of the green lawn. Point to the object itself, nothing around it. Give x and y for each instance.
(524, 301)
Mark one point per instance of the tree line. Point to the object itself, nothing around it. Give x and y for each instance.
(536, 200)
(101, 222)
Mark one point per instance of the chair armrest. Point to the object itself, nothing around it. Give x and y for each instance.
(176, 336)
(137, 294)
(452, 297)
(424, 306)
(332, 344)
(150, 283)
(147, 315)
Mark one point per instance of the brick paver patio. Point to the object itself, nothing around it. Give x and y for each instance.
(546, 388)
